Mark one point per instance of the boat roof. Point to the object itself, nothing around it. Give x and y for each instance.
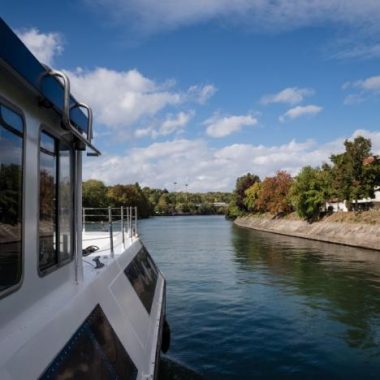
(36, 75)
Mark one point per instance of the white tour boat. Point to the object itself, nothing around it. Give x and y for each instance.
(74, 303)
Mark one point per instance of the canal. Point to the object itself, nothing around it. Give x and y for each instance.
(244, 304)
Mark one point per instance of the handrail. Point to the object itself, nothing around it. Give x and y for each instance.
(126, 218)
(66, 92)
(66, 121)
(89, 117)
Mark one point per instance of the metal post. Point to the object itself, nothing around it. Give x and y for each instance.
(122, 224)
(135, 221)
(84, 220)
(130, 222)
(127, 218)
(110, 230)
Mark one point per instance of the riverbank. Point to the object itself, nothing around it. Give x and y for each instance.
(353, 234)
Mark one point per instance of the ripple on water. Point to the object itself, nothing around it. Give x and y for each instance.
(244, 304)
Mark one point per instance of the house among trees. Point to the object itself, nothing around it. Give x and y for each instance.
(364, 203)
(335, 205)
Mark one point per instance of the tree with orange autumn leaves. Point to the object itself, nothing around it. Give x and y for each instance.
(352, 175)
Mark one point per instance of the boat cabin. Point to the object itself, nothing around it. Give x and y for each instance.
(73, 305)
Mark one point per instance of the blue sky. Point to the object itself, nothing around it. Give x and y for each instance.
(201, 92)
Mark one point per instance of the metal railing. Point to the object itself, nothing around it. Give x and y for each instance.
(117, 221)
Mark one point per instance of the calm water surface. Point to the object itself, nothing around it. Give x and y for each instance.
(244, 304)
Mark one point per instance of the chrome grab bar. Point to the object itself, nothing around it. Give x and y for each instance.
(67, 108)
(66, 93)
(89, 117)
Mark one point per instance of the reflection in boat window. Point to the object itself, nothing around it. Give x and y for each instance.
(11, 118)
(56, 203)
(11, 158)
(65, 203)
(94, 352)
(142, 273)
(48, 204)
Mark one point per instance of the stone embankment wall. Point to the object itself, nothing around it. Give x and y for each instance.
(356, 235)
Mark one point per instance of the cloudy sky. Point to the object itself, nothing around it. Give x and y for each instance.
(200, 92)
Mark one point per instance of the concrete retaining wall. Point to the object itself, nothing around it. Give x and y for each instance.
(356, 235)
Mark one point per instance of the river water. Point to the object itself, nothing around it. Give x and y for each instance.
(244, 304)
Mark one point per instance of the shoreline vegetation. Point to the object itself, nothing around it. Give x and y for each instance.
(306, 206)
(154, 202)
(350, 181)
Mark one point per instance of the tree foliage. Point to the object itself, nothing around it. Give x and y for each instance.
(242, 184)
(150, 201)
(274, 194)
(353, 175)
(352, 179)
(310, 191)
(237, 204)
(252, 194)
(94, 194)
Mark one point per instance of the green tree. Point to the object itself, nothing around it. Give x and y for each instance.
(237, 206)
(310, 191)
(242, 184)
(163, 205)
(252, 194)
(352, 180)
(94, 193)
(130, 195)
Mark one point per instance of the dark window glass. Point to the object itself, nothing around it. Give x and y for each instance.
(142, 273)
(65, 203)
(11, 118)
(48, 206)
(94, 352)
(56, 202)
(11, 156)
(48, 143)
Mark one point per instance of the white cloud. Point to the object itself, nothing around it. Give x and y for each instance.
(299, 111)
(202, 93)
(122, 99)
(354, 99)
(150, 15)
(218, 126)
(172, 124)
(290, 95)
(351, 49)
(364, 88)
(371, 84)
(206, 169)
(44, 46)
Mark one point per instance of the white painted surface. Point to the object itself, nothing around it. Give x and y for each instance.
(38, 319)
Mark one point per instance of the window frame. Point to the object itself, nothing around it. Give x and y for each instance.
(57, 140)
(3, 101)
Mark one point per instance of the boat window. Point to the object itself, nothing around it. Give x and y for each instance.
(12, 119)
(11, 166)
(56, 203)
(142, 274)
(94, 352)
(65, 216)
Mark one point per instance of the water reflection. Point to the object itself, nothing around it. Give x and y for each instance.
(342, 281)
(249, 305)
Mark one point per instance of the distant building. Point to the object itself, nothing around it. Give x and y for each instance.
(220, 204)
(336, 205)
